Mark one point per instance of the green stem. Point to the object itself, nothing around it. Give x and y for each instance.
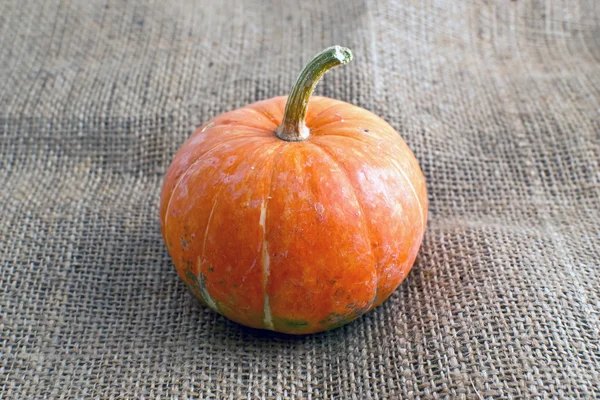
(293, 128)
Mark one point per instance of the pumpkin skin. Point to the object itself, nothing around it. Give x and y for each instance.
(296, 237)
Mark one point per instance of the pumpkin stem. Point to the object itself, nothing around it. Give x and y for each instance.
(293, 128)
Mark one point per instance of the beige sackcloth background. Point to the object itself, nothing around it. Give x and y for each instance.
(499, 100)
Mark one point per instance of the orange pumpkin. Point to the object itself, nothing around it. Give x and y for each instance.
(294, 214)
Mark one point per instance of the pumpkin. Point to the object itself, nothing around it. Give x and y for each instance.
(294, 214)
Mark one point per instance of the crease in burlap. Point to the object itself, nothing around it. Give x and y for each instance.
(500, 101)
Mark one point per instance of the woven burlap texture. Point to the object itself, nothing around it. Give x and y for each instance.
(499, 101)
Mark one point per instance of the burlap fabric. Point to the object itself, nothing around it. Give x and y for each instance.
(498, 100)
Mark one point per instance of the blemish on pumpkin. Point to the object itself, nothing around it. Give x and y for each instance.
(294, 323)
(266, 262)
(412, 188)
(211, 269)
(192, 283)
(268, 319)
(263, 215)
(195, 292)
(320, 209)
(334, 320)
(204, 293)
(336, 325)
(183, 243)
(376, 297)
(189, 275)
(212, 210)
(208, 126)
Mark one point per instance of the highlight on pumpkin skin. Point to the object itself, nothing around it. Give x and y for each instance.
(294, 236)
